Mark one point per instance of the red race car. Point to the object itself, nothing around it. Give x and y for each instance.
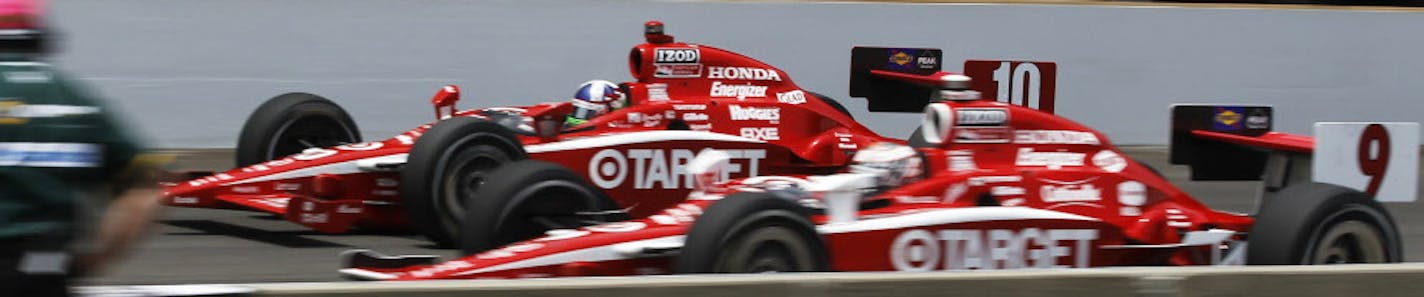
(301, 157)
(990, 186)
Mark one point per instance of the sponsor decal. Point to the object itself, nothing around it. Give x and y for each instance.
(617, 227)
(683, 213)
(689, 106)
(962, 160)
(721, 90)
(1006, 191)
(693, 117)
(387, 182)
(657, 92)
(974, 134)
(677, 63)
(792, 97)
(1052, 160)
(442, 268)
(1069, 191)
(958, 249)
(742, 73)
(677, 55)
(700, 127)
(847, 146)
(902, 59)
(677, 70)
(917, 199)
(1227, 118)
(365, 146)
(246, 189)
(287, 187)
(760, 133)
(315, 218)
(994, 179)
(346, 209)
(405, 139)
(313, 154)
(926, 60)
(1258, 119)
(1109, 161)
(981, 116)
(509, 251)
(1131, 194)
(210, 179)
(660, 168)
(562, 234)
(740, 113)
(51, 154)
(385, 192)
(185, 200)
(1055, 137)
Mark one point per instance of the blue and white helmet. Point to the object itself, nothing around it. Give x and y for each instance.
(594, 98)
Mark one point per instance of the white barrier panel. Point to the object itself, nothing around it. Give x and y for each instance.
(1292, 281)
(189, 72)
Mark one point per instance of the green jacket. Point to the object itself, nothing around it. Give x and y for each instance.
(56, 144)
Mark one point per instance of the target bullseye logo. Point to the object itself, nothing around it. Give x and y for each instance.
(915, 250)
(607, 167)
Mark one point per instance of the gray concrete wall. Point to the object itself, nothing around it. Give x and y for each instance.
(188, 72)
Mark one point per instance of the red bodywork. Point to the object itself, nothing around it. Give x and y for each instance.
(1026, 190)
(751, 108)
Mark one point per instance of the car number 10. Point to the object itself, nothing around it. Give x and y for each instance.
(1024, 83)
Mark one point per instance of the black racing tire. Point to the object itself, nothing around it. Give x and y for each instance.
(523, 199)
(752, 233)
(1318, 223)
(833, 103)
(446, 166)
(290, 123)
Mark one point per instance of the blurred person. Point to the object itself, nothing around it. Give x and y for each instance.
(594, 98)
(63, 159)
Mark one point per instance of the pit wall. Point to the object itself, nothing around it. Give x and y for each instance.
(189, 72)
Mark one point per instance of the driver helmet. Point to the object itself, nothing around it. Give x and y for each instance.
(893, 164)
(594, 98)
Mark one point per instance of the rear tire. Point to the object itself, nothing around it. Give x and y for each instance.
(290, 123)
(752, 233)
(448, 164)
(525, 198)
(1318, 223)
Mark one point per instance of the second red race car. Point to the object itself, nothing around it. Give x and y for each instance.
(991, 186)
(617, 154)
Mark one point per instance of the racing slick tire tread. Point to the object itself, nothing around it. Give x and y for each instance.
(255, 142)
(1287, 230)
(422, 186)
(739, 214)
(507, 196)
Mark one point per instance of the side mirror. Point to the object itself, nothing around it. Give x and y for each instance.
(444, 101)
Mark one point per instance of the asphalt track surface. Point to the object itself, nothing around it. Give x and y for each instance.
(222, 246)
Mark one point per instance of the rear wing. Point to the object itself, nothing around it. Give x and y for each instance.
(1236, 142)
(1226, 142)
(885, 94)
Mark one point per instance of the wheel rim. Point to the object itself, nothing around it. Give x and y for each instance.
(764, 250)
(547, 205)
(308, 132)
(465, 174)
(1349, 242)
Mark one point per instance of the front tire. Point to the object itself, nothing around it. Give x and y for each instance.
(448, 164)
(752, 233)
(525, 198)
(290, 123)
(1318, 223)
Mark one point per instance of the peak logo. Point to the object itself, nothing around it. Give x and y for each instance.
(742, 73)
(740, 113)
